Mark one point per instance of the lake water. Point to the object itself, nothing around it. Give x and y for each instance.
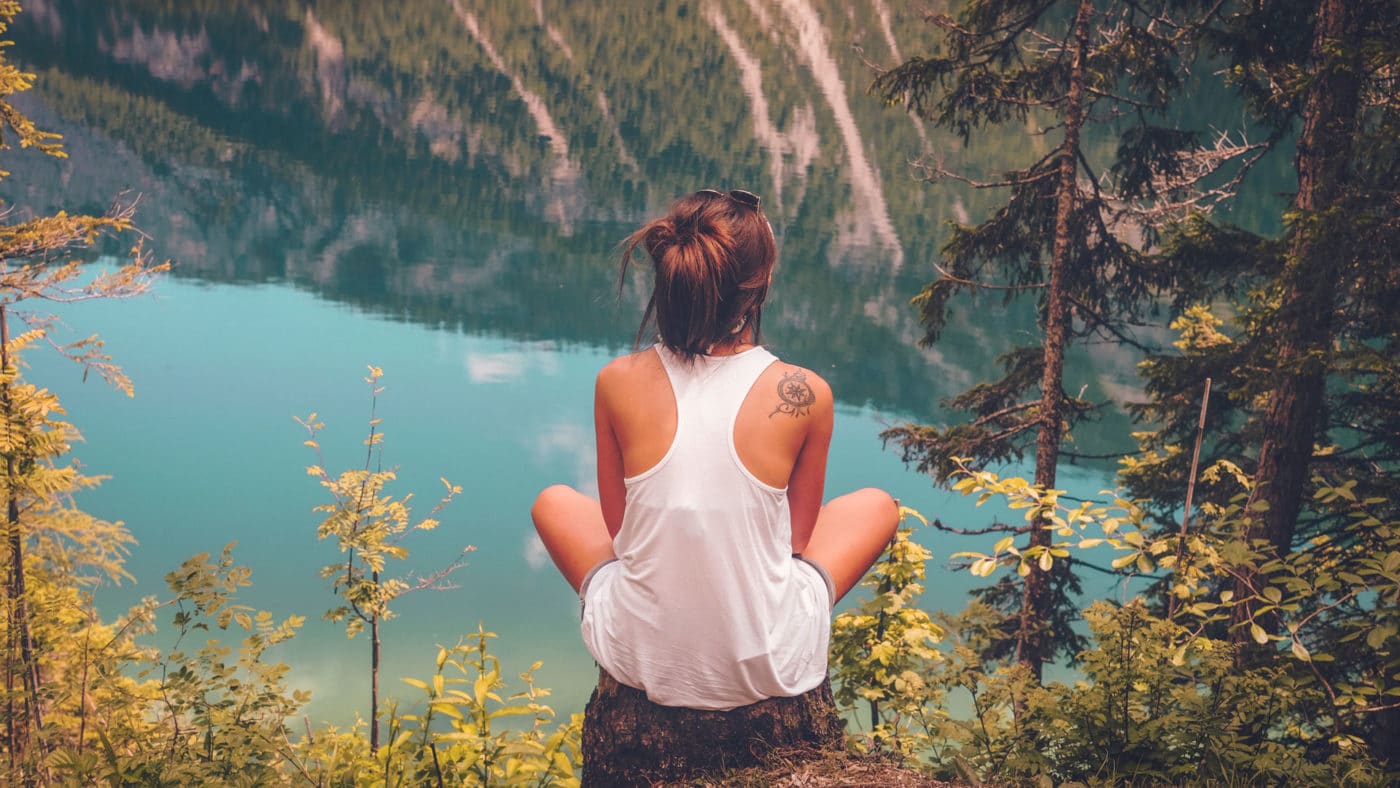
(438, 189)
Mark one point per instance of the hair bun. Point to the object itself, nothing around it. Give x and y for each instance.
(712, 263)
(668, 233)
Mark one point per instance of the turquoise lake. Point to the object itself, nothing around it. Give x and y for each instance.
(438, 189)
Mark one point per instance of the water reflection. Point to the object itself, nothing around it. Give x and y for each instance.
(472, 165)
(868, 224)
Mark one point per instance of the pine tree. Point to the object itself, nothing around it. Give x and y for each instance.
(1304, 375)
(1071, 232)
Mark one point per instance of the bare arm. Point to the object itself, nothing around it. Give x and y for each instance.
(807, 483)
(612, 493)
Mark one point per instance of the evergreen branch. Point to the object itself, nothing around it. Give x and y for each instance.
(946, 274)
(1100, 323)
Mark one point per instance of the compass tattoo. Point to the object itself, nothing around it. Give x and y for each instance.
(796, 395)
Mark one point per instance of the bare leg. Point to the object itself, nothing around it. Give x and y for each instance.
(850, 534)
(571, 526)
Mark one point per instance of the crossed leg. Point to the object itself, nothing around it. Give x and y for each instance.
(571, 526)
(850, 533)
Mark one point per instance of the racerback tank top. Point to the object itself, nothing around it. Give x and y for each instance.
(706, 606)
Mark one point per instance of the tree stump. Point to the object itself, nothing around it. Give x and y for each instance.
(628, 740)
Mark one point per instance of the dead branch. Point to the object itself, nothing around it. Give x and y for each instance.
(935, 171)
(1180, 194)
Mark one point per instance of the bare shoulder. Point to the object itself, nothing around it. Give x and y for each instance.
(797, 392)
(623, 367)
(625, 378)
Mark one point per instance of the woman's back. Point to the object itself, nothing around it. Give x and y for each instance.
(785, 410)
(707, 607)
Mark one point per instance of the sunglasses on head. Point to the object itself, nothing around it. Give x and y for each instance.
(747, 199)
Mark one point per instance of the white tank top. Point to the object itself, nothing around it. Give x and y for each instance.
(706, 607)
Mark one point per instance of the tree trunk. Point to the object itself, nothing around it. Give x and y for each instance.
(1031, 635)
(18, 595)
(628, 740)
(1304, 326)
(374, 679)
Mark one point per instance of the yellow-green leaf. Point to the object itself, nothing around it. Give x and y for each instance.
(481, 687)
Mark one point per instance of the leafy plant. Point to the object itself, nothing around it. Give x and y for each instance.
(368, 527)
(1169, 696)
(465, 733)
(220, 713)
(880, 649)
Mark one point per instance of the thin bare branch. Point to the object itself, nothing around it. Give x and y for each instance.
(935, 171)
(994, 528)
(435, 581)
(1007, 411)
(1098, 322)
(1012, 432)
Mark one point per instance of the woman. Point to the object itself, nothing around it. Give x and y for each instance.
(708, 566)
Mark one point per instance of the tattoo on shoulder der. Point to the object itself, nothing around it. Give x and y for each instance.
(796, 395)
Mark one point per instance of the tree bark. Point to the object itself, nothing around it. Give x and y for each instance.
(1304, 328)
(1031, 635)
(628, 740)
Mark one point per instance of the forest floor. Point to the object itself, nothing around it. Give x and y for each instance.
(798, 769)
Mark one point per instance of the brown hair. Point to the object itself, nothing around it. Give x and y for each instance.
(713, 256)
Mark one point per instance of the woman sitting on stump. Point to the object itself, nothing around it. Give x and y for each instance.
(708, 566)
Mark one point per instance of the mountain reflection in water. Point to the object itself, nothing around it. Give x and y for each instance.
(473, 165)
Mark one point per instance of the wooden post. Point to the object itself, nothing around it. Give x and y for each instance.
(628, 740)
(1172, 603)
